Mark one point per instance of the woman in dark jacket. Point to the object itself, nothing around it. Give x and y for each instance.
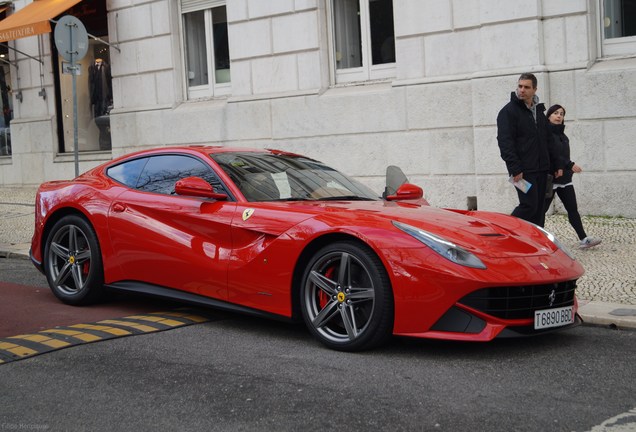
(562, 185)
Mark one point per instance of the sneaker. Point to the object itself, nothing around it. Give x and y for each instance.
(589, 242)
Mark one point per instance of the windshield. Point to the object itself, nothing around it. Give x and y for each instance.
(287, 177)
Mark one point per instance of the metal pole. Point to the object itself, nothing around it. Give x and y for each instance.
(6, 45)
(92, 37)
(74, 78)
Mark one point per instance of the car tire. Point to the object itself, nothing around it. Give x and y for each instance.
(346, 297)
(73, 263)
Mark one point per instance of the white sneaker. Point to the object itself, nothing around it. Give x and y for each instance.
(589, 242)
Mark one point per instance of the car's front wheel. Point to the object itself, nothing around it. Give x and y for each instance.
(72, 261)
(346, 297)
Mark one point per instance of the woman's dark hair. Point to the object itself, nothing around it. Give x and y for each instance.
(552, 109)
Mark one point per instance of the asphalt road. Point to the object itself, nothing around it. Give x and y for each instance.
(245, 374)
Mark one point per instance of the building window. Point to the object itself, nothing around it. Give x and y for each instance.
(5, 102)
(5, 96)
(363, 39)
(619, 27)
(93, 88)
(207, 53)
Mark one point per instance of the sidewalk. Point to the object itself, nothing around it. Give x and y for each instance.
(606, 293)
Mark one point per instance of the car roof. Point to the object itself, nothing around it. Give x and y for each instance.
(207, 149)
(204, 150)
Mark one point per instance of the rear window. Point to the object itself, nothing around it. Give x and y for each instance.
(127, 172)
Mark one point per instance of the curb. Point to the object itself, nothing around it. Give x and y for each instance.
(15, 250)
(608, 314)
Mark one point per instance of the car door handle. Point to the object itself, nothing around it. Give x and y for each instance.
(118, 207)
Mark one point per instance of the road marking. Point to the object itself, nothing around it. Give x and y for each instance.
(28, 345)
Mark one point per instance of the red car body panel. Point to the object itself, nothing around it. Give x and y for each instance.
(211, 248)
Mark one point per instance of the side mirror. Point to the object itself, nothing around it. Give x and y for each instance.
(395, 178)
(407, 191)
(196, 186)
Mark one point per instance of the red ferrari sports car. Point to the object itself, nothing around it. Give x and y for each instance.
(281, 235)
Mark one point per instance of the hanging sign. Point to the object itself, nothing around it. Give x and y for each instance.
(67, 69)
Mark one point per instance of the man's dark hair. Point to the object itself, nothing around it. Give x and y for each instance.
(529, 76)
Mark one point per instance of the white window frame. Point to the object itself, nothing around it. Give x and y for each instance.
(368, 71)
(211, 89)
(613, 47)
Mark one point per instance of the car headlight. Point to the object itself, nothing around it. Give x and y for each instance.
(445, 248)
(556, 241)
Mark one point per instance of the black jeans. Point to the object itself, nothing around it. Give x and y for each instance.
(568, 198)
(531, 204)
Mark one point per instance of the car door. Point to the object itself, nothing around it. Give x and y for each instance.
(173, 241)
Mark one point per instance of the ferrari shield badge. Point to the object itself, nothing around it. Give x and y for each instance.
(247, 213)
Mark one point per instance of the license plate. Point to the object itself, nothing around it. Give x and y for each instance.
(553, 317)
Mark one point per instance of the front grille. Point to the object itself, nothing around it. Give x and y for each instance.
(519, 302)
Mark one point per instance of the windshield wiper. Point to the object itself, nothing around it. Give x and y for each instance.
(295, 199)
(345, 198)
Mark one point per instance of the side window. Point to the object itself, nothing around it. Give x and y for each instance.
(363, 39)
(162, 172)
(127, 172)
(618, 27)
(207, 53)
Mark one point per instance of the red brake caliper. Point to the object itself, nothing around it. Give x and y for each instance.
(86, 267)
(323, 298)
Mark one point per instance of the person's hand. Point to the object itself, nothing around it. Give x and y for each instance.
(558, 173)
(518, 177)
(576, 168)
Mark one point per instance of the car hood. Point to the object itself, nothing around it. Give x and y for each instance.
(492, 234)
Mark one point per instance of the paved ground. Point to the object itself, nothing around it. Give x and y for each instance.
(607, 291)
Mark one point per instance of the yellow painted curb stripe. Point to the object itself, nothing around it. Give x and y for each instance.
(17, 349)
(195, 318)
(140, 327)
(7, 345)
(105, 329)
(49, 340)
(159, 320)
(44, 340)
(86, 337)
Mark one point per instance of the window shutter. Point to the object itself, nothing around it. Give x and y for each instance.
(195, 5)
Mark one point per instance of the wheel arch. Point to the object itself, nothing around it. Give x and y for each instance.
(53, 219)
(78, 254)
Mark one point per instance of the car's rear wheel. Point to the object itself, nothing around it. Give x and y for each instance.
(73, 263)
(346, 297)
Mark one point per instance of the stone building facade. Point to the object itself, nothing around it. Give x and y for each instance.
(359, 84)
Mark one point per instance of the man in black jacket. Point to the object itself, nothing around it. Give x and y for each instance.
(523, 137)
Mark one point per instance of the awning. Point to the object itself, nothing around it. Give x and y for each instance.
(33, 19)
